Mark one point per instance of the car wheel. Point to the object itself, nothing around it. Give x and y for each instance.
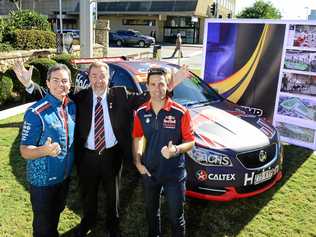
(141, 44)
(119, 43)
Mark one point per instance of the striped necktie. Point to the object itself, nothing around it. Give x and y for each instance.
(99, 137)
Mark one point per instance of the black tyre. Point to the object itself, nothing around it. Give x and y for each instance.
(141, 44)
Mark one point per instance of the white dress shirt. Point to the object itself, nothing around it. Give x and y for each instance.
(110, 139)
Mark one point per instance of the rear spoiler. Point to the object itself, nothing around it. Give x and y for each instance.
(80, 61)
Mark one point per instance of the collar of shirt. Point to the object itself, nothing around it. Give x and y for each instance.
(166, 107)
(56, 102)
(103, 96)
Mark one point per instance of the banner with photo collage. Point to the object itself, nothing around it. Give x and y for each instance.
(269, 67)
(295, 110)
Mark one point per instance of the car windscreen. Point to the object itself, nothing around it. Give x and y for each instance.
(192, 91)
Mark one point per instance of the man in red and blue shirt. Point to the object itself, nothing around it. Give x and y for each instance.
(162, 133)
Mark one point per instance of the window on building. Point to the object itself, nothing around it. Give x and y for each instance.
(139, 22)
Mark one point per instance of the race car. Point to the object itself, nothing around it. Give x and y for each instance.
(236, 155)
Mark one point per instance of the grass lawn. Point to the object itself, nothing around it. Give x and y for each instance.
(289, 209)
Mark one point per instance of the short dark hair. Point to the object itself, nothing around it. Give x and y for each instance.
(57, 67)
(156, 71)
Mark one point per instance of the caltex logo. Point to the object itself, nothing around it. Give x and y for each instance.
(201, 175)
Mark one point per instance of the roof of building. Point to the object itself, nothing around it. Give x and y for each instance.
(146, 6)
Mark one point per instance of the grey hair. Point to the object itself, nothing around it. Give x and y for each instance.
(99, 64)
(58, 67)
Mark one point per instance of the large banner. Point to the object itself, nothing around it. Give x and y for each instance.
(242, 61)
(246, 60)
(295, 110)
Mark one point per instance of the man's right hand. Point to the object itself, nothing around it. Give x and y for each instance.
(142, 169)
(24, 76)
(52, 148)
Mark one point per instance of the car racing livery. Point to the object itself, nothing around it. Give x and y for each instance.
(236, 155)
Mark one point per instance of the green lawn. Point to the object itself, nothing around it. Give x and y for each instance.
(289, 209)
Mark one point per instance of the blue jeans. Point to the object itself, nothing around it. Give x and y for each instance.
(174, 193)
(47, 204)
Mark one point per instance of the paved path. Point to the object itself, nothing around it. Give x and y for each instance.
(192, 57)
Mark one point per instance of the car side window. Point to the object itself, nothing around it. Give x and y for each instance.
(120, 77)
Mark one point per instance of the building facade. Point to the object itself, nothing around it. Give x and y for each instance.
(312, 15)
(160, 18)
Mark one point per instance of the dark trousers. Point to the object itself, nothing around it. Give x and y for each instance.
(47, 204)
(93, 170)
(174, 193)
(176, 50)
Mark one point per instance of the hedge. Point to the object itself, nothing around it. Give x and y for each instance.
(42, 64)
(33, 39)
(6, 86)
(65, 59)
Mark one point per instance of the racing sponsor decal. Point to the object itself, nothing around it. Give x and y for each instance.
(203, 157)
(25, 130)
(254, 179)
(169, 122)
(252, 110)
(265, 128)
(202, 176)
(81, 81)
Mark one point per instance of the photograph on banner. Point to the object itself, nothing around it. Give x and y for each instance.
(297, 107)
(299, 84)
(242, 61)
(302, 36)
(296, 135)
(300, 60)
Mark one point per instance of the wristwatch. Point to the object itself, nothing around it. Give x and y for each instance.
(177, 152)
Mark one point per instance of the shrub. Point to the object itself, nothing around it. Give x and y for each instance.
(28, 19)
(2, 26)
(4, 47)
(6, 87)
(65, 59)
(33, 39)
(42, 64)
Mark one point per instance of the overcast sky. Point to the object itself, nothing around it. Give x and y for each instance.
(290, 9)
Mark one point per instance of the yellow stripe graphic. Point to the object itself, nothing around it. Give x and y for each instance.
(246, 71)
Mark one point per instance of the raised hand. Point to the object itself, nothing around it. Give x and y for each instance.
(169, 151)
(24, 76)
(52, 148)
(178, 77)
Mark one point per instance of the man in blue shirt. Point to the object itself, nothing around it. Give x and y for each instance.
(167, 130)
(47, 145)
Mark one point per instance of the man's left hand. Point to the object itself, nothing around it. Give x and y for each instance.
(169, 151)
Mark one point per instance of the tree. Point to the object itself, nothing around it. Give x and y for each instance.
(260, 10)
(27, 19)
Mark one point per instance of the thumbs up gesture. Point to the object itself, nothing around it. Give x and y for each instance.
(169, 151)
(52, 148)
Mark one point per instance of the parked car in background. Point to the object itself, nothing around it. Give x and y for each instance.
(115, 39)
(131, 37)
(75, 33)
(236, 154)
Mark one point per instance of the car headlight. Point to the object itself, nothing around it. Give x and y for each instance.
(208, 157)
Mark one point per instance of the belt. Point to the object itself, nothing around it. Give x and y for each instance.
(102, 152)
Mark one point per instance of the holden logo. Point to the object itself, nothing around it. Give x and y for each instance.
(262, 156)
(201, 175)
